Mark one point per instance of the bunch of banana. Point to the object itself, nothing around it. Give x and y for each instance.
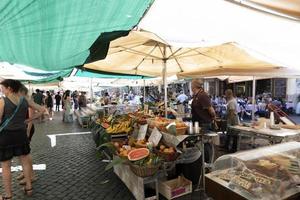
(98, 121)
(122, 127)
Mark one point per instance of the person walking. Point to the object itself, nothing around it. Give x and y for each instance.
(68, 115)
(82, 101)
(75, 99)
(49, 104)
(57, 101)
(38, 97)
(30, 131)
(13, 136)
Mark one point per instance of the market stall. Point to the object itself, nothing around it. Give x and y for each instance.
(266, 173)
(145, 150)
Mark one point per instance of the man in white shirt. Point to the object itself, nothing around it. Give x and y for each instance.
(182, 97)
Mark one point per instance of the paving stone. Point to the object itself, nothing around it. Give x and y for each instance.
(73, 170)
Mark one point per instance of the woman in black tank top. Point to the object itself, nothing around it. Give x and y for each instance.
(13, 137)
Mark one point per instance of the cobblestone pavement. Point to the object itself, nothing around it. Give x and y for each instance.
(73, 170)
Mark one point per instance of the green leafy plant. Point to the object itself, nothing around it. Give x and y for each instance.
(151, 160)
(115, 161)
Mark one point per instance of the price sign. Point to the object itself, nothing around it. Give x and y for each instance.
(155, 137)
(142, 132)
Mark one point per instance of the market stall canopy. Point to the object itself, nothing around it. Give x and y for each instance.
(236, 79)
(143, 53)
(58, 35)
(212, 22)
(286, 8)
(84, 82)
(28, 74)
(105, 75)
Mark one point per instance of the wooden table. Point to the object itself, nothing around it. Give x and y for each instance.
(273, 136)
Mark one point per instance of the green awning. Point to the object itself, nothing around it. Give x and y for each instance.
(102, 74)
(49, 77)
(56, 35)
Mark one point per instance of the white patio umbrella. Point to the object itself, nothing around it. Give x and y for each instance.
(144, 53)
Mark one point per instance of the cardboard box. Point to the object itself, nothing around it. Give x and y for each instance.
(175, 188)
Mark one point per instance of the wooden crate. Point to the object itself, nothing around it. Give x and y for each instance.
(175, 188)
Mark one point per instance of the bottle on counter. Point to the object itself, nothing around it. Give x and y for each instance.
(191, 128)
(272, 122)
(197, 129)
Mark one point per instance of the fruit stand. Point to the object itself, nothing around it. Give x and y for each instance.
(143, 149)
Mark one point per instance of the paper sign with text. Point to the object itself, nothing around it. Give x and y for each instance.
(155, 137)
(142, 132)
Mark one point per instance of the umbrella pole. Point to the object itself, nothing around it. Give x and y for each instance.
(165, 81)
(253, 97)
(144, 92)
(91, 89)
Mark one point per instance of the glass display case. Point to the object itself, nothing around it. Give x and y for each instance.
(266, 173)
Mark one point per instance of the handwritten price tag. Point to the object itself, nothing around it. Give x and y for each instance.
(155, 137)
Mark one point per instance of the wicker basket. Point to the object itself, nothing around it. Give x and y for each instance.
(143, 171)
(181, 130)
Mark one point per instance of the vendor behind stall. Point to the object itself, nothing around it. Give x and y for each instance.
(202, 110)
(232, 119)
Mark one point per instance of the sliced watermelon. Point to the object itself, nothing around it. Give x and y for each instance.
(104, 125)
(138, 154)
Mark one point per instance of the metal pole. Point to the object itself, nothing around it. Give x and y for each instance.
(144, 92)
(91, 89)
(165, 80)
(253, 97)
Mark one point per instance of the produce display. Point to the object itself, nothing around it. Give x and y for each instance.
(122, 144)
(161, 124)
(138, 154)
(271, 175)
(116, 124)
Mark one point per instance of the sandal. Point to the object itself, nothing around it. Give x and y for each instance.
(20, 177)
(6, 198)
(23, 182)
(27, 192)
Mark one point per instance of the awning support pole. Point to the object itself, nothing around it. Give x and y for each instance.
(165, 81)
(253, 97)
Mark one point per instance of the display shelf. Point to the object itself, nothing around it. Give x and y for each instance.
(265, 173)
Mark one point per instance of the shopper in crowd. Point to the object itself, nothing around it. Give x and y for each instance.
(182, 101)
(106, 99)
(75, 99)
(182, 98)
(38, 97)
(68, 114)
(13, 136)
(30, 131)
(57, 101)
(49, 104)
(82, 101)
